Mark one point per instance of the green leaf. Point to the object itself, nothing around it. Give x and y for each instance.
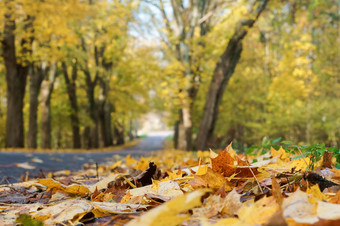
(337, 165)
(276, 140)
(299, 157)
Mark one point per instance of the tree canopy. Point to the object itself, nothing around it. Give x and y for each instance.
(83, 73)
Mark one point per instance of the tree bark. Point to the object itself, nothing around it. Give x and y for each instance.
(119, 133)
(105, 110)
(16, 76)
(72, 96)
(92, 131)
(46, 94)
(186, 22)
(94, 138)
(223, 71)
(36, 78)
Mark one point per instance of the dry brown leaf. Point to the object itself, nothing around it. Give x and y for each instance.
(232, 203)
(212, 206)
(277, 193)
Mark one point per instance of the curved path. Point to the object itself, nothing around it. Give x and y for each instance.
(70, 161)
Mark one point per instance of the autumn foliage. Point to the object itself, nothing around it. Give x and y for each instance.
(183, 188)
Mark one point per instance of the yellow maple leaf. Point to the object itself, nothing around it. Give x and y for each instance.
(130, 161)
(202, 170)
(143, 164)
(315, 191)
(281, 152)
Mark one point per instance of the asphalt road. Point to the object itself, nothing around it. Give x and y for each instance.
(50, 162)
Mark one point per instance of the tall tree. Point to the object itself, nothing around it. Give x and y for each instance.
(47, 90)
(16, 73)
(223, 71)
(72, 96)
(188, 19)
(38, 73)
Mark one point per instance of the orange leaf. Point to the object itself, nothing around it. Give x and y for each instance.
(224, 164)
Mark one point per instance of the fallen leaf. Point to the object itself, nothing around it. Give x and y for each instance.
(118, 208)
(257, 213)
(232, 203)
(74, 189)
(224, 164)
(211, 207)
(169, 213)
(37, 160)
(70, 211)
(25, 165)
(211, 179)
(317, 194)
(277, 193)
(299, 208)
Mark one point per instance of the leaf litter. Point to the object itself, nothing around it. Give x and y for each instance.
(181, 188)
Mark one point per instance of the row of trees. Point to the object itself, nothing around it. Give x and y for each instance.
(237, 82)
(223, 70)
(76, 59)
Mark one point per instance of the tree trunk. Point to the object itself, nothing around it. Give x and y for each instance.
(187, 18)
(185, 129)
(86, 138)
(105, 109)
(36, 78)
(90, 88)
(72, 96)
(176, 134)
(16, 76)
(223, 71)
(131, 137)
(46, 94)
(119, 134)
(105, 124)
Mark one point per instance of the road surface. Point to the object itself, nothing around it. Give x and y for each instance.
(10, 172)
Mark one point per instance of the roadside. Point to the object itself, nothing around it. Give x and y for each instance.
(128, 144)
(15, 164)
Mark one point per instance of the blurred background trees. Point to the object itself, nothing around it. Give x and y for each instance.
(81, 74)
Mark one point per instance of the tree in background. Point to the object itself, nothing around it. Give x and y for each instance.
(17, 48)
(223, 71)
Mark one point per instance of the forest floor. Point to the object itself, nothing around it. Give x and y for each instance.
(14, 164)
(172, 187)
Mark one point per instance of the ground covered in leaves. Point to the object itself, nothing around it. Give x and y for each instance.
(182, 188)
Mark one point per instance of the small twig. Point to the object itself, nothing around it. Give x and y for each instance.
(288, 184)
(258, 183)
(303, 158)
(129, 182)
(245, 167)
(267, 187)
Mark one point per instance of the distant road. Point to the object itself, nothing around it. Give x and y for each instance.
(71, 161)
